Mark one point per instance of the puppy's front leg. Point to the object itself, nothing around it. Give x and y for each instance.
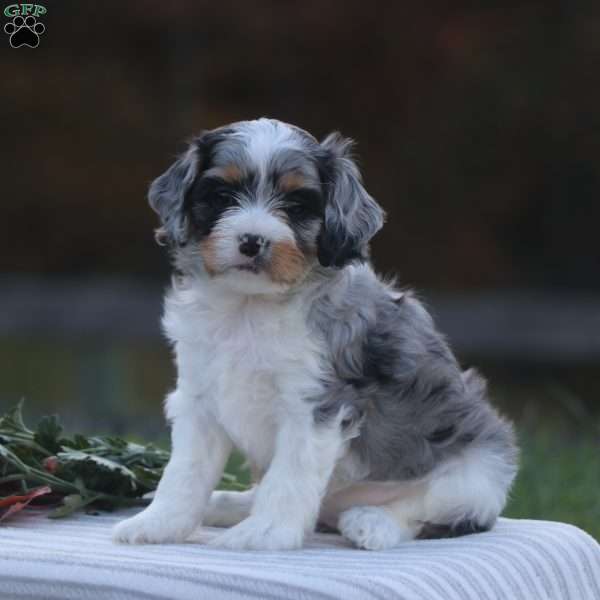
(200, 449)
(287, 501)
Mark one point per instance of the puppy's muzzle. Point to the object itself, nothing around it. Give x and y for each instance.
(252, 245)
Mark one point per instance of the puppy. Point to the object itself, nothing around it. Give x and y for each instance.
(348, 404)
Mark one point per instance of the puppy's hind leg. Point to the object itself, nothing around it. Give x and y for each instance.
(467, 493)
(226, 509)
(376, 515)
(464, 495)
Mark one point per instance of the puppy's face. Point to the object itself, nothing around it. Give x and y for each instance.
(261, 203)
(256, 219)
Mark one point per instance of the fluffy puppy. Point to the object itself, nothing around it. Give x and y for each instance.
(348, 404)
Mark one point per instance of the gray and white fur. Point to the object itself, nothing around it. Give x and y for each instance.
(349, 405)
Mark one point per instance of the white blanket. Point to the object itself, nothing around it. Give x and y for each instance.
(75, 559)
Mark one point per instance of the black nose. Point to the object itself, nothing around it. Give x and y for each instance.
(251, 244)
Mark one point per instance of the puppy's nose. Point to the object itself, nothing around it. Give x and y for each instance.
(251, 245)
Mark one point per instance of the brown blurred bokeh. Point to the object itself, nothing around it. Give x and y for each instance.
(477, 127)
(478, 130)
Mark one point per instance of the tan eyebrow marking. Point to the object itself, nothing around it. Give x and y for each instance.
(231, 173)
(291, 181)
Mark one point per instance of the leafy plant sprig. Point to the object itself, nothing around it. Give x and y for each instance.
(103, 472)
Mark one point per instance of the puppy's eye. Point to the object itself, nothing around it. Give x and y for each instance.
(296, 210)
(303, 204)
(223, 199)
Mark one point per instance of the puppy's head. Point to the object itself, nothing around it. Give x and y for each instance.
(260, 203)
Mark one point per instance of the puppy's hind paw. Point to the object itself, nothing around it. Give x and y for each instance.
(373, 528)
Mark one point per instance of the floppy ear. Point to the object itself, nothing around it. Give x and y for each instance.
(352, 217)
(167, 194)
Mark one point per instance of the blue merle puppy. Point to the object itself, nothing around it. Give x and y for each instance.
(348, 404)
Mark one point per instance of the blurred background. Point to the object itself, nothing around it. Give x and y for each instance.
(478, 130)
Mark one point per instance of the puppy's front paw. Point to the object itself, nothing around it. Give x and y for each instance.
(153, 527)
(256, 533)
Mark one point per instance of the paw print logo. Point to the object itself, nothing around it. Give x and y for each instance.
(24, 31)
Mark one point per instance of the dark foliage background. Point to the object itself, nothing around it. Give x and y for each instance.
(477, 125)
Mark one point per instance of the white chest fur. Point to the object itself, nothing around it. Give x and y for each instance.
(244, 360)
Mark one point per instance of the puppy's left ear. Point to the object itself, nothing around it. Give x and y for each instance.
(352, 216)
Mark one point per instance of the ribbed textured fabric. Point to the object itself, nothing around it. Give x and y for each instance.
(75, 559)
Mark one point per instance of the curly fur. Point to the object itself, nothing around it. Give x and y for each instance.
(346, 400)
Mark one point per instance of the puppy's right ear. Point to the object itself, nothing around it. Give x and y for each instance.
(167, 194)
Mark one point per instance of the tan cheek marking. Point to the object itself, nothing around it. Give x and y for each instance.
(231, 174)
(287, 262)
(208, 252)
(291, 181)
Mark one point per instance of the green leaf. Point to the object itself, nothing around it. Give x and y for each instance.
(12, 421)
(97, 473)
(116, 442)
(78, 442)
(13, 459)
(48, 433)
